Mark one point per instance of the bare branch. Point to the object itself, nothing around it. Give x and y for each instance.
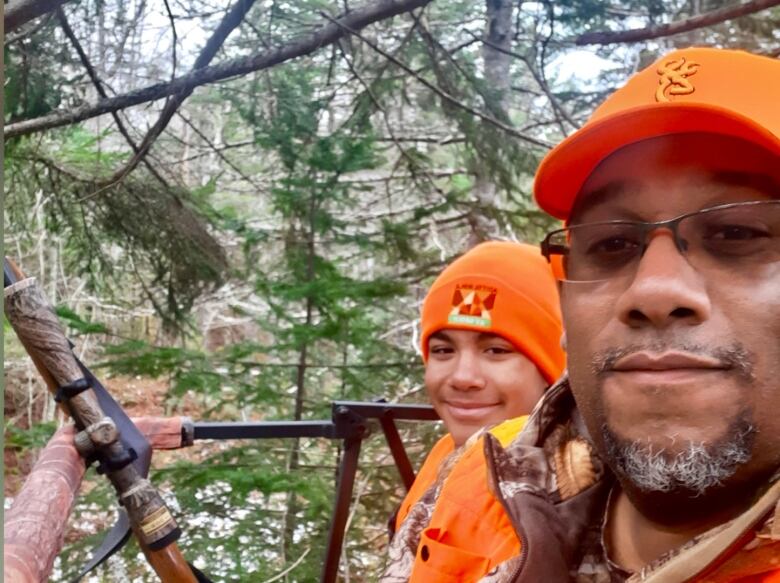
(27, 32)
(301, 46)
(412, 164)
(216, 150)
(230, 21)
(21, 11)
(557, 107)
(101, 90)
(651, 32)
(175, 38)
(441, 93)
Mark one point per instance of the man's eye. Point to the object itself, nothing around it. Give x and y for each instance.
(736, 240)
(735, 233)
(613, 244)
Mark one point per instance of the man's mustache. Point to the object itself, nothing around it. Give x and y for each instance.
(733, 356)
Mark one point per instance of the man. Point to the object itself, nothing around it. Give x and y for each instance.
(491, 331)
(658, 458)
(670, 270)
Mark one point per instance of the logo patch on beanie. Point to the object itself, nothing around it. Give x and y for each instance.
(674, 79)
(471, 304)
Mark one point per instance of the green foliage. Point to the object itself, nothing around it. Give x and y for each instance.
(26, 439)
(78, 324)
(159, 232)
(34, 76)
(328, 191)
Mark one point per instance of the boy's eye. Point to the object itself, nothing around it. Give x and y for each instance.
(499, 350)
(441, 349)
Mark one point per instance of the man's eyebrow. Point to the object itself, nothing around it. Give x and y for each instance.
(440, 335)
(596, 197)
(761, 182)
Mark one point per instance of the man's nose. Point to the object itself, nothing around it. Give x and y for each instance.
(665, 289)
(467, 374)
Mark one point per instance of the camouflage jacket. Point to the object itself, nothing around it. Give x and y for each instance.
(555, 490)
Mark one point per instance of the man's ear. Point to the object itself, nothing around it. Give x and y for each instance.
(563, 340)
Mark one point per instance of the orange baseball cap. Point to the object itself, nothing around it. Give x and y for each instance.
(718, 91)
(502, 288)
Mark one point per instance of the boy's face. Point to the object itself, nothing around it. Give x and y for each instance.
(476, 379)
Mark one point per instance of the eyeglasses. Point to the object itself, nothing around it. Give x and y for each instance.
(734, 239)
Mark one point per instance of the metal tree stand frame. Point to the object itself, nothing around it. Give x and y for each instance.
(349, 422)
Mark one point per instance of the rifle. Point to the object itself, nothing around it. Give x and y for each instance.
(98, 439)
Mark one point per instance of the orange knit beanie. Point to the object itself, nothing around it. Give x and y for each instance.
(503, 288)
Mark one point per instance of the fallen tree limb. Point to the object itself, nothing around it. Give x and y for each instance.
(661, 30)
(325, 35)
(19, 12)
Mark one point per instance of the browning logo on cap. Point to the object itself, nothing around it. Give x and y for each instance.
(472, 304)
(674, 79)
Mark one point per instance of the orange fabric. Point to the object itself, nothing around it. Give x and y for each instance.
(765, 577)
(757, 562)
(691, 90)
(773, 577)
(503, 288)
(469, 532)
(425, 477)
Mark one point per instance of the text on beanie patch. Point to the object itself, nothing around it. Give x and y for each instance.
(472, 304)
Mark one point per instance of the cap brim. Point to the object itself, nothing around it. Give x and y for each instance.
(566, 168)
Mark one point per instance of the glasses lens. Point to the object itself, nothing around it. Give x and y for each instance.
(598, 251)
(735, 237)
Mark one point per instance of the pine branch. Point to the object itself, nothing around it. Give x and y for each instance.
(304, 45)
(671, 28)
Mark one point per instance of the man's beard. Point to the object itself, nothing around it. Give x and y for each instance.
(693, 470)
(698, 466)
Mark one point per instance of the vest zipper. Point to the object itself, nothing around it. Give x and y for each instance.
(519, 531)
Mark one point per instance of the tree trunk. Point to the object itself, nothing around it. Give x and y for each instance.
(300, 382)
(498, 33)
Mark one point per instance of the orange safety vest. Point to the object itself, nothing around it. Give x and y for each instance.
(752, 564)
(425, 477)
(469, 532)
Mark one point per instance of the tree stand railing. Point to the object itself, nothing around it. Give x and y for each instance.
(349, 422)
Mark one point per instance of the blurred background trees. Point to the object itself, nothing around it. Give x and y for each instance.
(244, 203)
